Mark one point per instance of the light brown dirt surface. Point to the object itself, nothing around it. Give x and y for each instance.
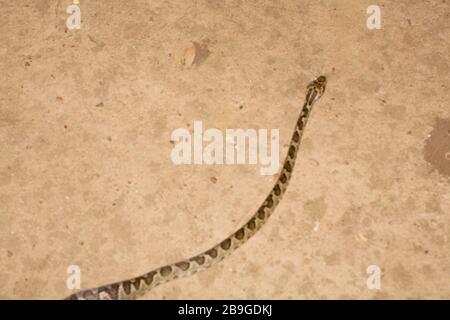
(86, 117)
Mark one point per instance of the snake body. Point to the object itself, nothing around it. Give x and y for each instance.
(138, 286)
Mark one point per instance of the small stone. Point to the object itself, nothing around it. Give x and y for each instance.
(188, 57)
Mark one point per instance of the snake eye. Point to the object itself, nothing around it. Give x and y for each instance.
(321, 79)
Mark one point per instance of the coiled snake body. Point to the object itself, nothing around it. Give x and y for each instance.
(138, 286)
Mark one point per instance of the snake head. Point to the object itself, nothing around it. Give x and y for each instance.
(321, 82)
(315, 89)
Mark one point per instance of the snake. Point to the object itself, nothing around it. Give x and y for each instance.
(138, 286)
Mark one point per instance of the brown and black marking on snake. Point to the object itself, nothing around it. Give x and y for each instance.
(135, 287)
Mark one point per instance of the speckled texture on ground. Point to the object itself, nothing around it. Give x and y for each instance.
(85, 123)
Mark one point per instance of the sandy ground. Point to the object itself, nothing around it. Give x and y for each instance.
(86, 118)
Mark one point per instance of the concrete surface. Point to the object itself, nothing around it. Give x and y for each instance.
(86, 117)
